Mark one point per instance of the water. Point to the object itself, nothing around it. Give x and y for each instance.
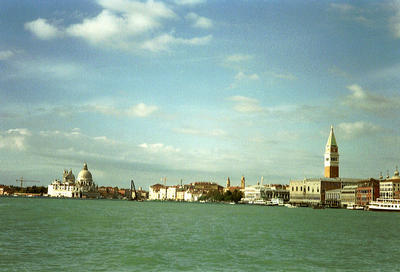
(106, 235)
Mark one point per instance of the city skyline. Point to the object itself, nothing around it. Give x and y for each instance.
(197, 90)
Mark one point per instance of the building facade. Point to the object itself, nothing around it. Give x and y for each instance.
(390, 187)
(82, 187)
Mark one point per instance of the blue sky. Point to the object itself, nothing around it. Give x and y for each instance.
(197, 90)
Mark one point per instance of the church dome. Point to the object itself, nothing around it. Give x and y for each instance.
(396, 174)
(84, 174)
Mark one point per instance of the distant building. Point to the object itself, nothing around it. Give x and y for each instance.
(242, 182)
(348, 197)
(367, 191)
(158, 192)
(254, 193)
(333, 198)
(82, 187)
(390, 187)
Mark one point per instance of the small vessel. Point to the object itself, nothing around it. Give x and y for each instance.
(290, 205)
(259, 202)
(392, 205)
(355, 207)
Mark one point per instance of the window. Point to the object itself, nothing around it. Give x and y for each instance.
(297, 188)
(317, 190)
(308, 188)
(327, 159)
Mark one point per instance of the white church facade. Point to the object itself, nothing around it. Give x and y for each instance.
(82, 187)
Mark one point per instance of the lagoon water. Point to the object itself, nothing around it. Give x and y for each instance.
(106, 235)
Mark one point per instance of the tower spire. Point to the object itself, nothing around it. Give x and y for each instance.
(331, 157)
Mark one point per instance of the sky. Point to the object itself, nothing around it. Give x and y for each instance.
(197, 90)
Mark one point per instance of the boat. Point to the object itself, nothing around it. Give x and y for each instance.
(392, 205)
(259, 202)
(290, 205)
(355, 207)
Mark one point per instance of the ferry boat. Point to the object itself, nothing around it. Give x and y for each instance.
(385, 205)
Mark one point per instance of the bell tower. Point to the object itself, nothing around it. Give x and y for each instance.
(331, 157)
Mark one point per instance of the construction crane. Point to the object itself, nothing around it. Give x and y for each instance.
(21, 180)
(133, 190)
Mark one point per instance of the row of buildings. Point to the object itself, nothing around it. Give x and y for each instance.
(334, 191)
(330, 190)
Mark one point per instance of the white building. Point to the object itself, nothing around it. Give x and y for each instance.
(68, 187)
(390, 187)
(158, 192)
(171, 192)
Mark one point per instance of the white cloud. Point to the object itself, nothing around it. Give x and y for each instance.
(164, 41)
(141, 110)
(6, 54)
(98, 29)
(158, 147)
(357, 129)
(199, 21)
(42, 29)
(14, 139)
(368, 101)
(245, 104)
(242, 76)
(127, 25)
(138, 110)
(189, 2)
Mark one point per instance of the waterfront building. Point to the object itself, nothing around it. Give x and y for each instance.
(348, 197)
(276, 191)
(180, 194)
(258, 192)
(228, 183)
(331, 156)
(192, 195)
(312, 191)
(390, 187)
(206, 186)
(82, 187)
(242, 182)
(171, 192)
(158, 192)
(333, 198)
(1, 190)
(367, 191)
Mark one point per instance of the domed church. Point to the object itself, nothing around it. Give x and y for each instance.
(82, 187)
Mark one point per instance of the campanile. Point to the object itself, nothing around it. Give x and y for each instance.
(331, 157)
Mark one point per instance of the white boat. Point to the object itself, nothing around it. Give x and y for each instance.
(385, 205)
(259, 202)
(355, 207)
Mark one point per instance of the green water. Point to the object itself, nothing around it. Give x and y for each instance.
(106, 235)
